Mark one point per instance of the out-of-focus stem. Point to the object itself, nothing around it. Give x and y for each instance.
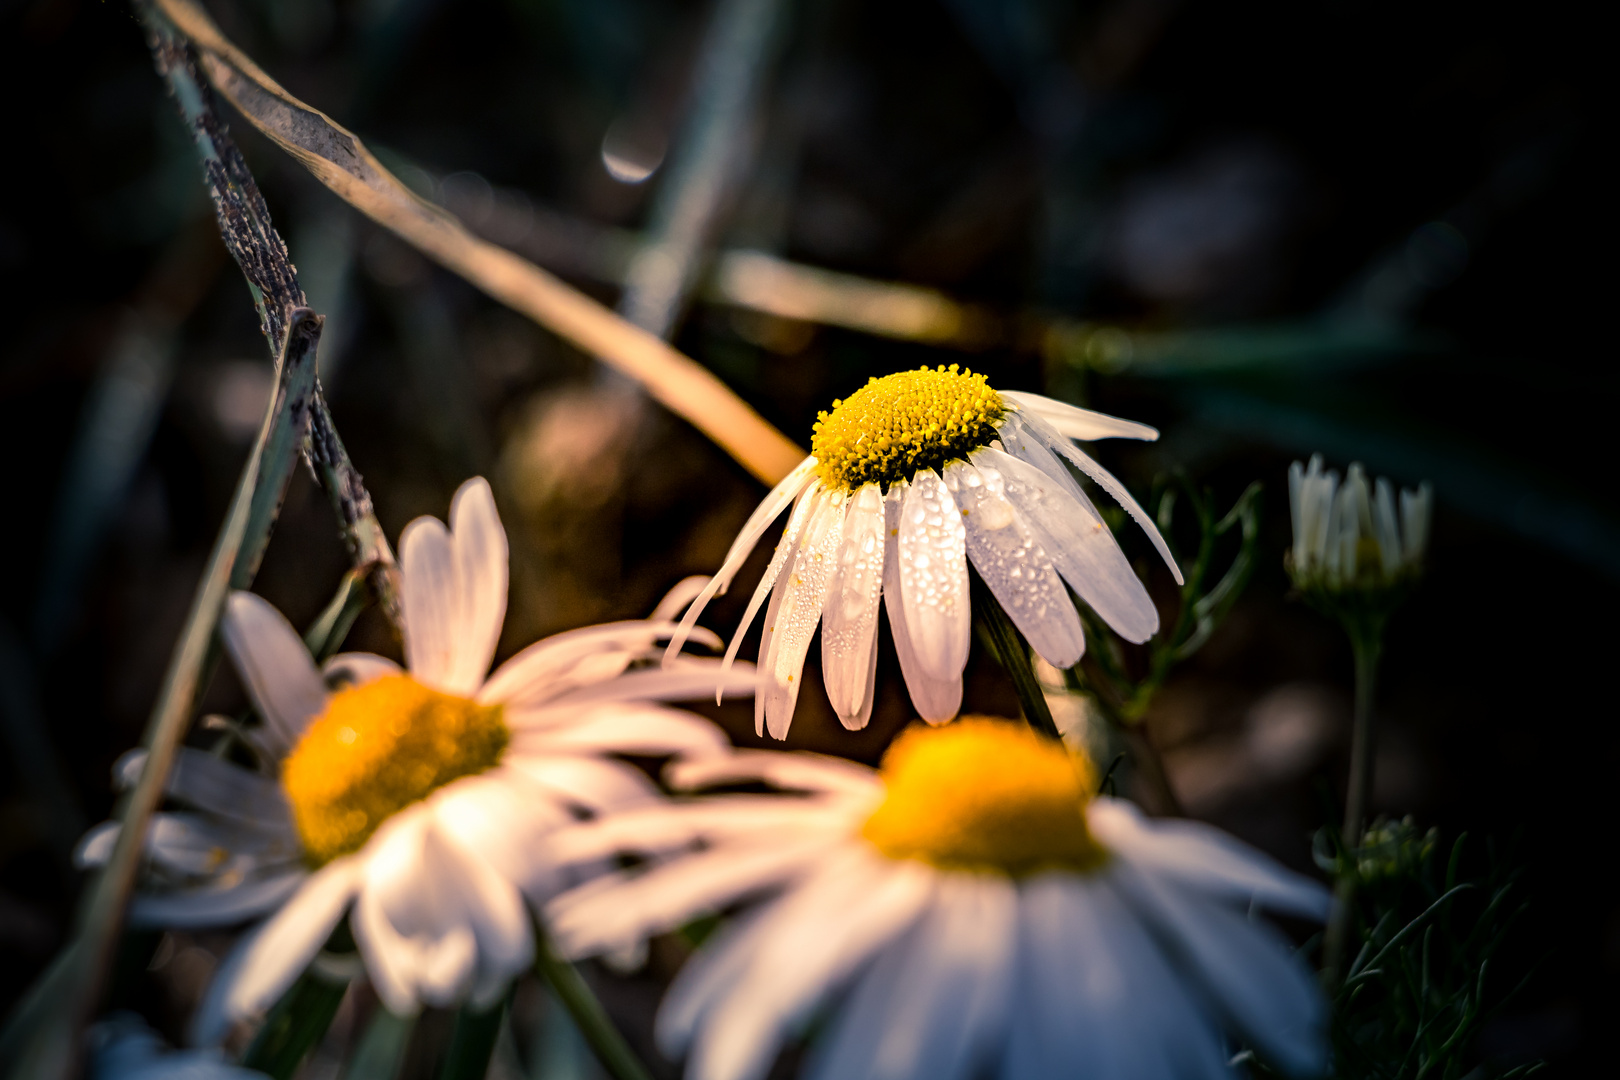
(1366, 641)
(592, 1020)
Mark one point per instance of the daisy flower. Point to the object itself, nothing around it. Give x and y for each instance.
(415, 798)
(969, 910)
(910, 479)
(1349, 535)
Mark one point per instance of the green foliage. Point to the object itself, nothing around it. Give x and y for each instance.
(1422, 982)
(1124, 697)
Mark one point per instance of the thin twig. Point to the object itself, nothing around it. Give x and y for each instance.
(47, 1031)
(340, 161)
(251, 238)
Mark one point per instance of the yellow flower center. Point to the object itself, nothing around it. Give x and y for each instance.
(894, 427)
(985, 795)
(375, 750)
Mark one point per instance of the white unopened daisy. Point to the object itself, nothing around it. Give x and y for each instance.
(971, 910)
(910, 479)
(1349, 536)
(417, 798)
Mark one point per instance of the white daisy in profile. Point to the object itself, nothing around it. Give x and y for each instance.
(416, 798)
(913, 477)
(969, 910)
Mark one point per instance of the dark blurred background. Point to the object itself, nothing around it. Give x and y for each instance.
(1371, 229)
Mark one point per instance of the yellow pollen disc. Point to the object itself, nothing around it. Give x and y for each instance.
(985, 795)
(375, 750)
(898, 425)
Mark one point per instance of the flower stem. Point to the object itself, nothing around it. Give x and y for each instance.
(296, 1023)
(472, 1042)
(589, 1016)
(1013, 653)
(1366, 641)
(382, 1048)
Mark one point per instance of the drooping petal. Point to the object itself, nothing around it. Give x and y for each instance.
(1096, 994)
(1014, 564)
(1105, 480)
(935, 1002)
(503, 817)
(206, 782)
(636, 728)
(566, 661)
(1019, 442)
(692, 679)
(1081, 547)
(801, 771)
(665, 829)
(276, 668)
(1245, 966)
(284, 946)
(855, 906)
(219, 903)
(936, 700)
(790, 487)
(781, 560)
(849, 632)
(792, 621)
(615, 914)
(1077, 423)
(1206, 860)
(932, 548)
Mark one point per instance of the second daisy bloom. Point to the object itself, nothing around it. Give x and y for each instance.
(911, 479)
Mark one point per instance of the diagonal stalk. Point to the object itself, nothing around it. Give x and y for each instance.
(592, 1020)
(46, 1031)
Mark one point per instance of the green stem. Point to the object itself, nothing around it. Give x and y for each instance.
(1366, 641)
(382, 1048)
(472, 1042)
(589, 1016)
(1013, 653)
(296, 1023)
(1366, 646)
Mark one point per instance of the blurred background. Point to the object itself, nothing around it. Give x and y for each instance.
(1371, 229)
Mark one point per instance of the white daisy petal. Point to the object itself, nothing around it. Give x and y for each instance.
(283, 947)
(500, 816)
(586, 782)
(206, 782)
(664, 829)
(936, 700)
(781, 561)
(357, 668)
(1077, 423)
(934, 1004)
(215, 904)
(481, 556)
(635, 728)
(1014, 564)
(693, 679)
(562, 662)
(429, 580)
(793, 619)
(1105, 480)
(489, 904)
(198, 844)
(1204, 858)
(1019, 442)
(932, 549)
(781, 496)
(792, 772)
(667, 897)
(275, 667)
(784, 982)
(1246, 967)
(1096, 988)
(679, 598)
(849, 633)
(1081, 547)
